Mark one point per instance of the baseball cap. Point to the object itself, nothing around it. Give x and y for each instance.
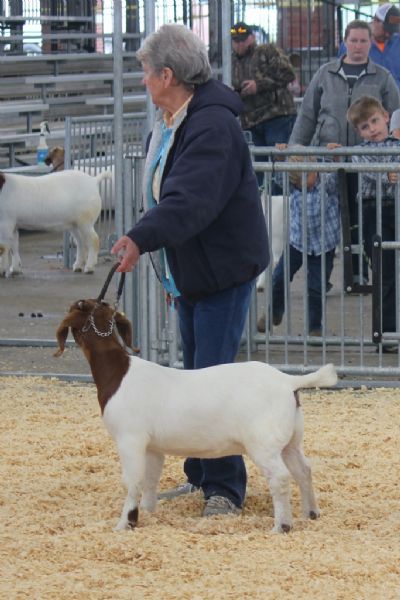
(395, 120)
(240, 31)
(389, 14)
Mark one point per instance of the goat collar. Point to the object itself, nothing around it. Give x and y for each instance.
(90, 323)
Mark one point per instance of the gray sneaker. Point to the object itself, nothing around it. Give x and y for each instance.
(219, 505)
(179, 490)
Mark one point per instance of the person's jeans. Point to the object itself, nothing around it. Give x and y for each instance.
(211, 331)
(269, 133)
(314, 284)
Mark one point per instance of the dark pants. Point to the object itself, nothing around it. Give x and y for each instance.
(314, 283)
(211, 331)
(388, 259)
(269, 133)
(355, 235)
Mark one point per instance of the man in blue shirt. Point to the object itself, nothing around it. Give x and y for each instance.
(385, 47)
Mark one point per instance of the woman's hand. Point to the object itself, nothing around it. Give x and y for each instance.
(127, 252)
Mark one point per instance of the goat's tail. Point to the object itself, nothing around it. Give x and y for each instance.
(326, 376)
(103, 175)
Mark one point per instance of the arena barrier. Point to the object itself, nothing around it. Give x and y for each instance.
(352, 336)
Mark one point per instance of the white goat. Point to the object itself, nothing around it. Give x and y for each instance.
(150, 410)
(67, 201)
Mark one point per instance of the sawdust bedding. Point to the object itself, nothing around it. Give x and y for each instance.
(61, 494)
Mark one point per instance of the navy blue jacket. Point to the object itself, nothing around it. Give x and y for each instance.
(209, 217)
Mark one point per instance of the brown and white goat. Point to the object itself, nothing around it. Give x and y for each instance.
(150, 410)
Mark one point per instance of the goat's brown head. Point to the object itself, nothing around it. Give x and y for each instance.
(90, 317)
(56, 157)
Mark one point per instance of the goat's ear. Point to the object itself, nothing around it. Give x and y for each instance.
(62, 334)
(124, 329)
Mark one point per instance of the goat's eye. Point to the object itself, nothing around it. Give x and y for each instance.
(81, 304)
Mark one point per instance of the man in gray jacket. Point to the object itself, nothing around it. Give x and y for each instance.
(335, 86)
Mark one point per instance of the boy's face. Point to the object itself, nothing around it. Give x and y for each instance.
(375, 128)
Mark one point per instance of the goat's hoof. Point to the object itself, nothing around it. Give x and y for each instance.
(88, 271)
(313, 515)
(77, 269)
(133, 516)
(121, 525)
(282, 528)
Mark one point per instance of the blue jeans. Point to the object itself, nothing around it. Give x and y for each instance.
(269, 133)
(211, 331)
(314, 284)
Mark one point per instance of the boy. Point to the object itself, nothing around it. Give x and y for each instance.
(371, 121)
(319, 246)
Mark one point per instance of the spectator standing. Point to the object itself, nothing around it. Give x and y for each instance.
(261, 74)
(205, 216)
(319, 245)
(385, 46)
(371, 120)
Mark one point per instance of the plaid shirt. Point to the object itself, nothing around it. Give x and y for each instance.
(314, 214)
(369, 180)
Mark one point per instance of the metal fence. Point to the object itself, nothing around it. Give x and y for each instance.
(350, 337)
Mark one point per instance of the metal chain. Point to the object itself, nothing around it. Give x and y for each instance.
(90, 323)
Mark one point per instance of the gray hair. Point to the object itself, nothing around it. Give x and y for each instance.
(178, 48)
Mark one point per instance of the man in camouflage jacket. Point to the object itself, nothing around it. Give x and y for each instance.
(261, 74)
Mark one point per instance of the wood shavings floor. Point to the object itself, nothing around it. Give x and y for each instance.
(61, 495)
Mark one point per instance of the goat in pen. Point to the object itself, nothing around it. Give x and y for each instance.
(67, 201)
(150, 410)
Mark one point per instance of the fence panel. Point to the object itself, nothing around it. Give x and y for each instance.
(352, 336)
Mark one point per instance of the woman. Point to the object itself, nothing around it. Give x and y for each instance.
(204, 210)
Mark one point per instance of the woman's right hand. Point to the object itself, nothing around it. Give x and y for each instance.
(127, 252)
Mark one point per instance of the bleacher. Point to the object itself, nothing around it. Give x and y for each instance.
(50, 87)
(69, 75)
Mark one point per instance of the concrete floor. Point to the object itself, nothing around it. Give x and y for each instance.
(47, 288)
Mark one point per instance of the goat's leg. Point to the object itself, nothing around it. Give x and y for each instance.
(80, 259)
(154, 465)
(278, 477)
(133, 468)
(91, 242)
(16, 266)
(300, 469)
(4, 259)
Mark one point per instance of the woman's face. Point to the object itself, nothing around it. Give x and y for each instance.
(156, 85)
